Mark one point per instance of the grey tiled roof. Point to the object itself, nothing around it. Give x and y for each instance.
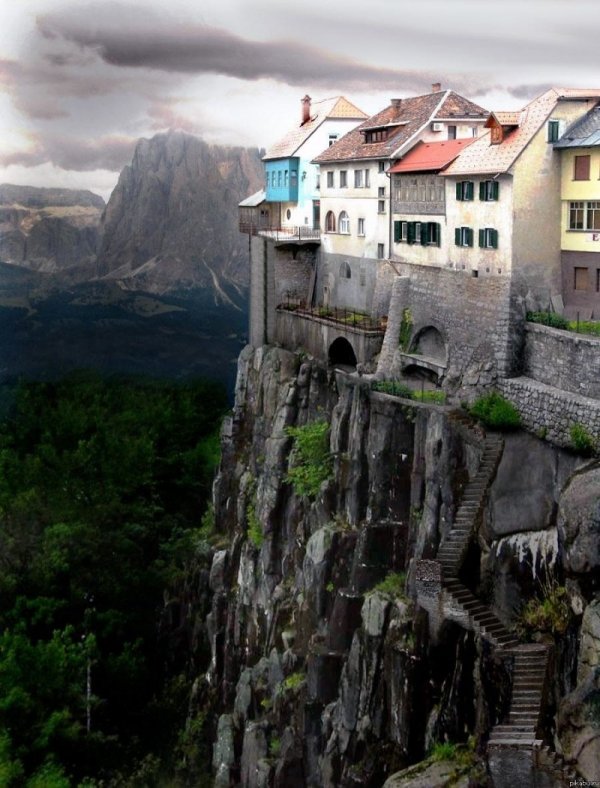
(585, 133)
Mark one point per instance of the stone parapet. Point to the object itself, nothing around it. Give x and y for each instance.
(550, 412)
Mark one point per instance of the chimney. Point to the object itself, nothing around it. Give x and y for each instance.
(305, 109)
(396, 102)
(436, 87)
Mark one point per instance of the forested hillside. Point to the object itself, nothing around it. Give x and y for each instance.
(102, 490)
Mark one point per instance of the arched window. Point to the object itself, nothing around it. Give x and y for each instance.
(344, 223)
(330, 222)
(345, 270)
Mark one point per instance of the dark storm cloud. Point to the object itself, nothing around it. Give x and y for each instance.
(123, 36)
(71, 153)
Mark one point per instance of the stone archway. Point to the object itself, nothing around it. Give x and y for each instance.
(430, 343)
(341, 353)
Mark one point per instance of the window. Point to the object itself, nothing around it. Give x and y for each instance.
(381, 191)
(473, 131)
(488, 238)
(580, 279)
(381, 166)
(582, 168)
(330, 222)
(279, 178)
(380, 206)
(463, 236)
(380, 251)
(345, 270)
(464, 190)
(285, 178)
(294, 179)
(593, 216)
(584, 215)
(358, 179)
(332, 139)
(367, 178)
(553, 130)
(424, 233)
(451, 132)
(330, 179)
(288, 214)
(489, 190)
(576, 215)
(361, 227)
(376, 135)
(344, 223)
(343, 179)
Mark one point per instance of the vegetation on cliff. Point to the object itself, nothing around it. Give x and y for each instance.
(102, 485)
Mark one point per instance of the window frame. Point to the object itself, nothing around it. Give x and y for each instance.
(330, 222)
(358, 179)
(330, 181)
(553, 130)
(380, 251)
(343, 179)
(360, 227)
(344, 223)
(463, 236)
(489, 190)
(465, 191)
(488, 238)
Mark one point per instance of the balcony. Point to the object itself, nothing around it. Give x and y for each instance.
(281, 235)
(348, 318)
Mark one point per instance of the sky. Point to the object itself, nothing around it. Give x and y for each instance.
(81, 82)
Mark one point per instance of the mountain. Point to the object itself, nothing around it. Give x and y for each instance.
(49, 230)
(171, 221)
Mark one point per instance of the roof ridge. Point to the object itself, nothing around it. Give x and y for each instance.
(445, 95)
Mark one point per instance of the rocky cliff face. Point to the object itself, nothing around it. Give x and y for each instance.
(326, 670)
(171, 222)
(49, 230)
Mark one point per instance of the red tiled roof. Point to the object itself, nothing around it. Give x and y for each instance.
(428, 156)
(484, 158)
(505, 118)
(336, 107)
(412, 114)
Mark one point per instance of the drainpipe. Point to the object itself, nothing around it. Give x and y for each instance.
(389, 177)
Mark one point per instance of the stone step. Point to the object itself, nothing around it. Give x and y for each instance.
(512, 734)
(510, 743)
(504, 727)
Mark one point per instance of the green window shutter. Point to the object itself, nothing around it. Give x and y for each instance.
(459, 190)
(424, 234)
(470, 190)
(397, 232)
(482, 238)
(482, 190)
(410, 234)
(496, 190)
(469, 236)
(457, 236)
(438, 234)
(494, 239)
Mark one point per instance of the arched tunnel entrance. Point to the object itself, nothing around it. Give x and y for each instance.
(341, 353)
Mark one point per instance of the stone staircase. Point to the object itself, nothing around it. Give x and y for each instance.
(521, 730)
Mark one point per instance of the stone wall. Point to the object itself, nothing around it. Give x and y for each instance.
(563, 359)
(474, 316)
(550, 412)
(294, 331)
(277, 270)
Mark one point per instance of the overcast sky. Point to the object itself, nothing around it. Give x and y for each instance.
(81, 81)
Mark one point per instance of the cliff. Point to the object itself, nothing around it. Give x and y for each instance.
(171, 221)
(48, 230)
(345, 649)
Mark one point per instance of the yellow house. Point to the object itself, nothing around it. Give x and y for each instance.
(580, 218)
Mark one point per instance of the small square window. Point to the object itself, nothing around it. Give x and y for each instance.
(381, 191)
(553, 130)
(332, 139)
(381, 206)
(451, 132)
(381, 166)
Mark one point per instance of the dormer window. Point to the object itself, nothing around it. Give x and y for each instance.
(376, 135)
(496, 135)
